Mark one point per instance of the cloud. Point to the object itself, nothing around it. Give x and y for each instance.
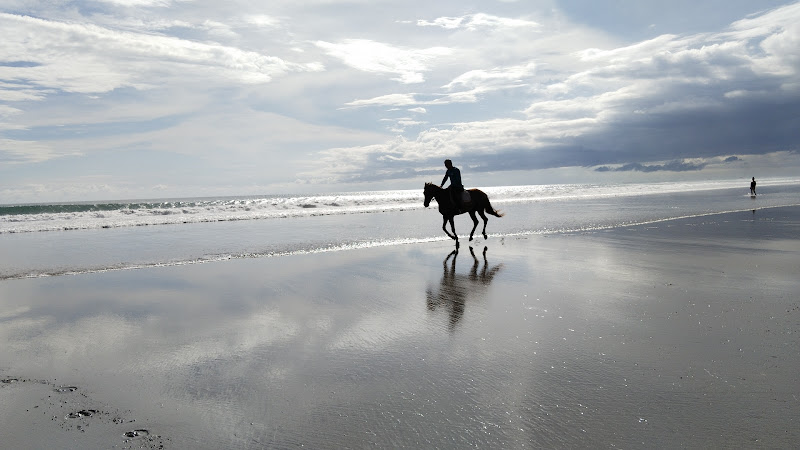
(500, 77)
(86, 58)
(672, 166)
(375, 57)
(504, 87)
(14, 94)
(387, 100)
(16, 152)
(262, 20)
(477, 22)
(668, 98)
(468, 87)
(8, 111)
(145, 3)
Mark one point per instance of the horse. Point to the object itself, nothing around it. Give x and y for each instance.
(479, 202)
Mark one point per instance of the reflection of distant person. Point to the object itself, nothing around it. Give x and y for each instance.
(753, 186)
(456, 188)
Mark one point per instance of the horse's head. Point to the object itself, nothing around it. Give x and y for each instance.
(430, 192)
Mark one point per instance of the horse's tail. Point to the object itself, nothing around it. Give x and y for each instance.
(490, 210)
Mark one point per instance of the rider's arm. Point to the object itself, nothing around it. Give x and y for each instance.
(446, 175)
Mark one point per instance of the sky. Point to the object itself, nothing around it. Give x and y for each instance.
(122, 99)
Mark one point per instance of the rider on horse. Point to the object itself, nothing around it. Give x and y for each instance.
(456, 188)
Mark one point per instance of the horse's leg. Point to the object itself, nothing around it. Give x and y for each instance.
(485, 221)
(474, 223)
(444, 227)
(453, 227)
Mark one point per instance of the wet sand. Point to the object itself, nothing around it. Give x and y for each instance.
(677, 334)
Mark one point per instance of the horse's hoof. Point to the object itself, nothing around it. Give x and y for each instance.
(470, 238)
(485, 236)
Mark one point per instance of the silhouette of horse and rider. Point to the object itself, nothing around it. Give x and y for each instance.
(455, 288)
(451, 203)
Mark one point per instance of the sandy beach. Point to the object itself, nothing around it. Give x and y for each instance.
(676, 334)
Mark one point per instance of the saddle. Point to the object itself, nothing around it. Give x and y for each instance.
(466, 200)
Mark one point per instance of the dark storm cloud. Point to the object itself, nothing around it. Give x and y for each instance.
(672, 166)
(754, 127)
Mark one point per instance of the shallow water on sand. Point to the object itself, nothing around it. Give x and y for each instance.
(672, 334)
(79, 251)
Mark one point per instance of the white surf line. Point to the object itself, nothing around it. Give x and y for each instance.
(191, 220)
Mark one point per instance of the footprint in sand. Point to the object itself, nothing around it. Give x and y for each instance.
(66, 389)
(90, 422)
(82, 413)
(135, 434)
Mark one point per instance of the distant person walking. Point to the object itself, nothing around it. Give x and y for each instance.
(753, 186)
(456, 188)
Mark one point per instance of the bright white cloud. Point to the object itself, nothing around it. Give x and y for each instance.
(476, 22)
(407, 64)
(86, 58)
(470, 86)
(262, 20)
(387, 100)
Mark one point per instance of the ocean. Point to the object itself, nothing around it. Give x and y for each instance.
(38, 240)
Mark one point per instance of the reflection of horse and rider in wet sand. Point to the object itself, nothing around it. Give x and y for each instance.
(455, 200)
(454, 288)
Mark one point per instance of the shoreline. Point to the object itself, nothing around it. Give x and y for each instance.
(355, 245)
